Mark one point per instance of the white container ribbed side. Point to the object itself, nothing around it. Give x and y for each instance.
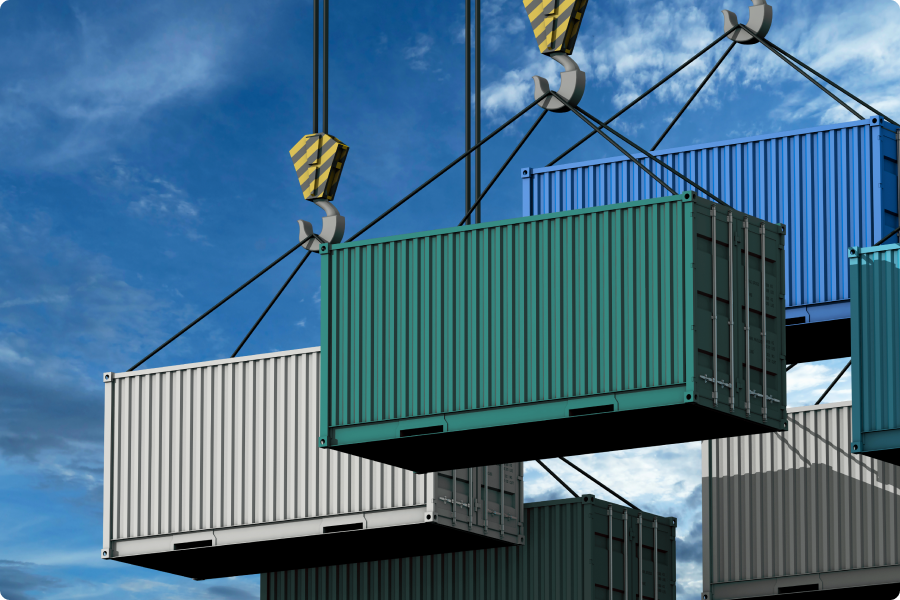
(225, 452)
(782, 510)
(231, 443)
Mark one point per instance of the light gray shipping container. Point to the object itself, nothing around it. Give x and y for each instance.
(212, 469)
(566, 556)
(795, 511)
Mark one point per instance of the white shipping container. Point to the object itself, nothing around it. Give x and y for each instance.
(212, 469)
(795, 511)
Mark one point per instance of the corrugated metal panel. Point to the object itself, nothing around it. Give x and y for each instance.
(875, 280)
(565, 557)
(833, 187)
(785, 505)
(233, 443)
(215, 447)
(523, 321)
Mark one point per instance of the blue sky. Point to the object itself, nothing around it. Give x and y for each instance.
(144, 173)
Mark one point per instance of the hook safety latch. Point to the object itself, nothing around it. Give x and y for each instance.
(760, 22)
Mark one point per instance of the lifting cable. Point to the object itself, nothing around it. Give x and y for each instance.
(223, 301)
(583, 472)
(557, 478)
(645, 94)
(694, 95)
(834, 383)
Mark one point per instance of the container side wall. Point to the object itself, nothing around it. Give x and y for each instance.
(833, 187)
(798, 502)
(505, 314)
(562, 559)
(234, 443)
(875, 273)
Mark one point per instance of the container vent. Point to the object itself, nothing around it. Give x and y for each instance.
(793, 589)
(591, 410)
(421, 430)
(197, 544)
(339, 528)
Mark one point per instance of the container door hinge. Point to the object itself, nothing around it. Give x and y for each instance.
(769, 398)
(708, 379)
(452, 501)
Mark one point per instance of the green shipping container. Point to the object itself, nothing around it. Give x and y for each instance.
(575, 332)
(565, 557)
(875, 351)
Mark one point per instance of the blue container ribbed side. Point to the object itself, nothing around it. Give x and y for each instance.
(833, 187)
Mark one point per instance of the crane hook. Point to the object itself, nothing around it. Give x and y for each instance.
(332, 227)
(571, 85)
(760, 22)
(319, 160)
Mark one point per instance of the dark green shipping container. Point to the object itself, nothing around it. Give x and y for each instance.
(575, 332)
(565, 557)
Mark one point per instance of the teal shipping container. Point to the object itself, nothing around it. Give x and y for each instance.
(527, 338)
(875, 351)
(565, 557)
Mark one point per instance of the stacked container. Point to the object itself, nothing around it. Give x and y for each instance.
(566, 556)
(212, 469)
(833, 187)
(659, 321)
(797, 512)
(875, 287)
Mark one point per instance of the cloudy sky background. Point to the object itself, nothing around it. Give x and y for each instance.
(144, 173)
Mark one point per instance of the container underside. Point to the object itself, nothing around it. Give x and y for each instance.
(824, 340)
(891, 456)
(688, 422)
(307, 552)
(887, 591)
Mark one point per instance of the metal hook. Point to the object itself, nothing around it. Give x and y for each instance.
(571, 86)
(760, 22)
(332, 227)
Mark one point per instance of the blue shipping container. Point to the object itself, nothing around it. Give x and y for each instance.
(875, 292)
(833, 187)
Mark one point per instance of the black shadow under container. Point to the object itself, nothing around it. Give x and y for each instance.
(212, 470)
(576, 332)
(565, 557)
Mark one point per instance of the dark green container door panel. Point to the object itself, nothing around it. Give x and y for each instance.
(739, 310)
(564, 558)
(508, 325)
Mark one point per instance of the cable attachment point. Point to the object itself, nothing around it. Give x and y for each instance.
(760, 22)
(571, 84)
(332, 227)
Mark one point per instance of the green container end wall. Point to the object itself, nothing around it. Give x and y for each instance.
(518, 339)
(565, 557)
(875, 351)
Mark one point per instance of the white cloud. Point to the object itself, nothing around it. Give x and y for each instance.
(415, 54)
(104, 87)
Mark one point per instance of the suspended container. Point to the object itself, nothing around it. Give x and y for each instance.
(565, 557)
(875, 293)
(833, 187)
(522, 339)
(212, 470)
(797, 512)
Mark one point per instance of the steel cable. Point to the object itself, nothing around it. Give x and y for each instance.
(223, 301)
(645, 94)
(557, 478)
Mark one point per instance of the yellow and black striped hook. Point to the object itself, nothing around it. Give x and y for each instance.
(319, 160)
(556, 24)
